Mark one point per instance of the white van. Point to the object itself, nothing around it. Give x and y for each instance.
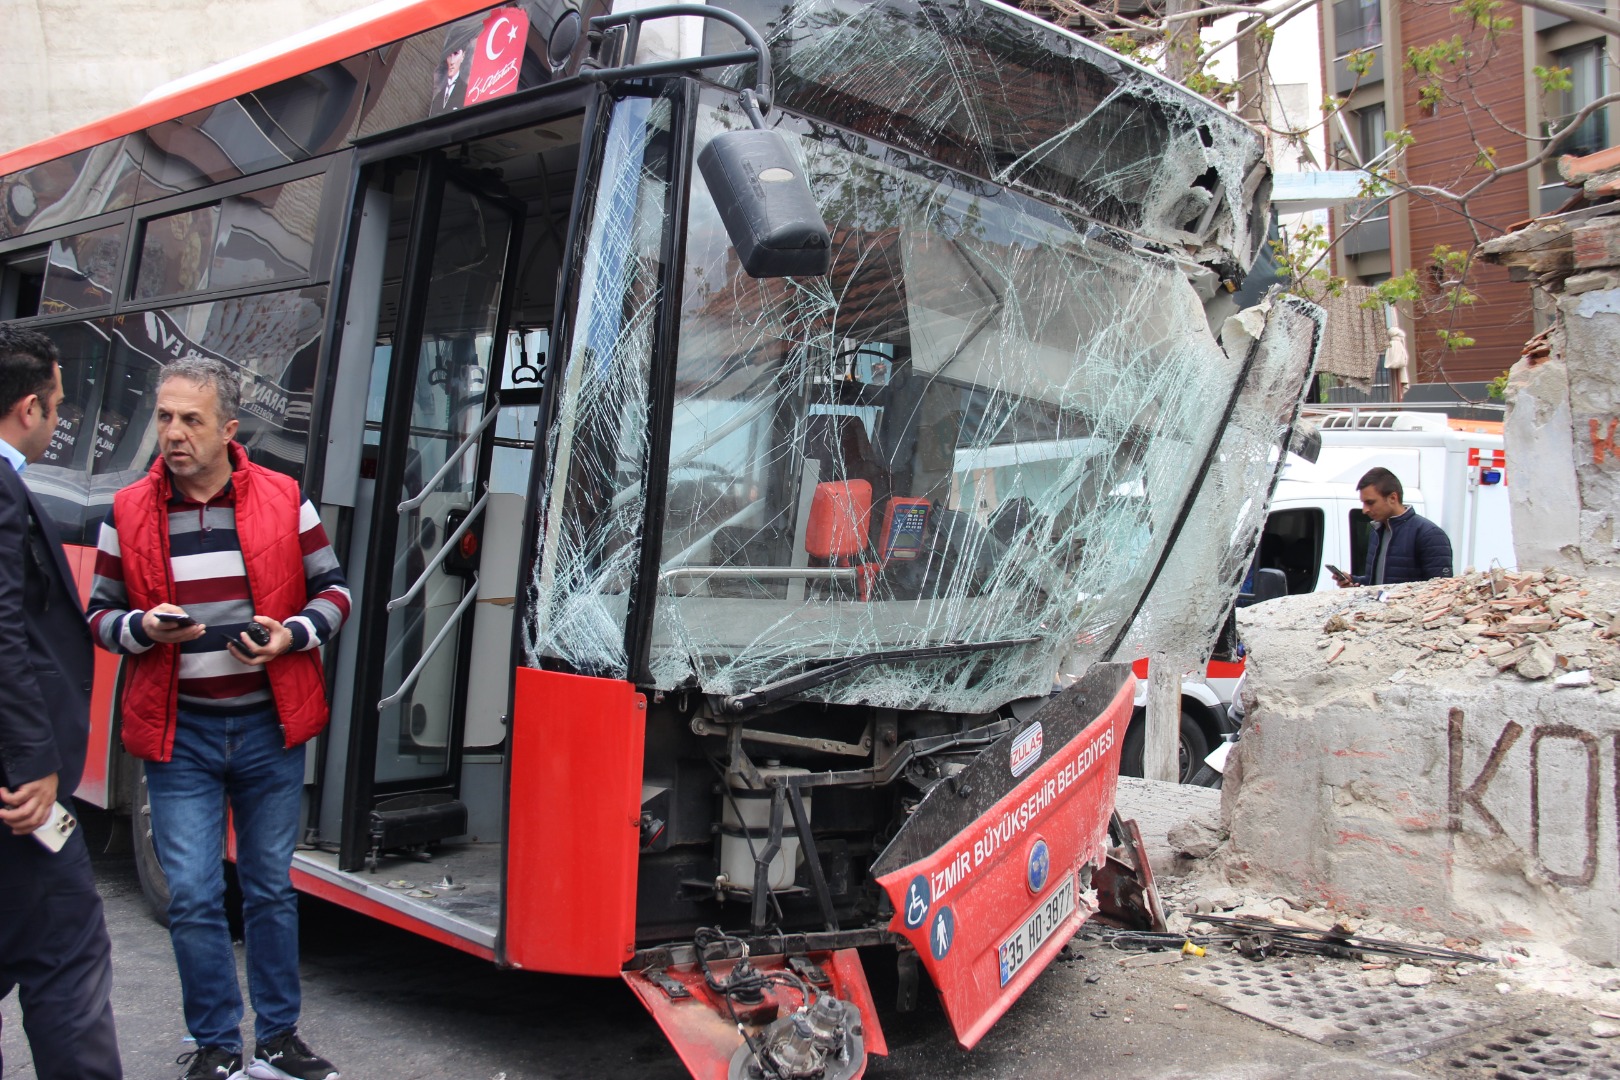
(1454, 473)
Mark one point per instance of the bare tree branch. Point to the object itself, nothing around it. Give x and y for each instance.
(1575, 14)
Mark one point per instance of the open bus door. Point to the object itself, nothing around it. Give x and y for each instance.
(428, 447)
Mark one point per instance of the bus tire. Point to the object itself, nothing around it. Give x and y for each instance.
(154, 882)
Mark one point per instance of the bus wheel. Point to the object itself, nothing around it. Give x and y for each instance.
(154, 882)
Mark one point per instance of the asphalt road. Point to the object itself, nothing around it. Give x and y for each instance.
(383, 1003)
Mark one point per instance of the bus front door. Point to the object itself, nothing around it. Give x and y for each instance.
(428, 447)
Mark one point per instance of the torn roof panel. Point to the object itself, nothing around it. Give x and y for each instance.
(996, 93)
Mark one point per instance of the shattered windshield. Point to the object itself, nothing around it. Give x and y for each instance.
(968, 445)
(978, 427)
(997, 93)
(1213, 552)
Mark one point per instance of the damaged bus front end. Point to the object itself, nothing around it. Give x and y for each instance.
(827, 570)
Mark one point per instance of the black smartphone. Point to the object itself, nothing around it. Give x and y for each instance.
(176, 619)
(1337, 573)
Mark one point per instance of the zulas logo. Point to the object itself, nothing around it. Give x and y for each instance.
(1026, 749)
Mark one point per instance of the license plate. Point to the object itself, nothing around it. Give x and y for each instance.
(1016, 950)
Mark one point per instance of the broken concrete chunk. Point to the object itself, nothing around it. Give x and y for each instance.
(1378, 978)
(1540, 663)
(1529, 624)
(1574, 678)
(1603, 1029)
(1194, 838)
(1336, 624)
(1411, 975)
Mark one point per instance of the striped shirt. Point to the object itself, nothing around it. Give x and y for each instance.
(210, 583)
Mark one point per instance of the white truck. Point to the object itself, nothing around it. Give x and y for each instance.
(1453, 472)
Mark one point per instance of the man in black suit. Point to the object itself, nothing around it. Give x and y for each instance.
(53, 939)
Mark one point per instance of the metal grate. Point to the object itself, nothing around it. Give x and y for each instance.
(1333, 1005)
(1536, 1052)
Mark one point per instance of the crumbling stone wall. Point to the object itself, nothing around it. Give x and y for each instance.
(1563, 396)
(1447, 758)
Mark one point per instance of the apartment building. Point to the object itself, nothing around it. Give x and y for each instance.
(1507, 104)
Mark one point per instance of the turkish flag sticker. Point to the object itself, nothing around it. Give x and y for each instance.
(498, 55)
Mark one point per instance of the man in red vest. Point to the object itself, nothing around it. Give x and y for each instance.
(216, 582)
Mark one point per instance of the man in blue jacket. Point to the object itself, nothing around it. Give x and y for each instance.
(1402, 546)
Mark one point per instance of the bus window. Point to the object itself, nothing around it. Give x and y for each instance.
(82, 185)
(61, 476)
(257, 238)
(271, 340)
(174, 253)
(82, 271)
(22, 283)
(293, 120)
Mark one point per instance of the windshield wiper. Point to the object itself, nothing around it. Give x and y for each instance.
(826, 671)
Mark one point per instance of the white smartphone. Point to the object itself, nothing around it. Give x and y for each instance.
(57, 828)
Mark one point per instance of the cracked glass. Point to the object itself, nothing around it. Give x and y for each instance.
(978, 431)
(1214, 550)
(594, 491)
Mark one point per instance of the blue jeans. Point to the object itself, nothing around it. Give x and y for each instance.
(242, 759)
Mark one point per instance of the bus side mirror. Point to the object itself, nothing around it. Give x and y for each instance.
(766, 204)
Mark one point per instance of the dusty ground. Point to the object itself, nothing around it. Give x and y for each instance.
(386, 1004)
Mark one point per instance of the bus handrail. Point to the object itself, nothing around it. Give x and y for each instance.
(443, 553)
(844, 573)
(757, 51)
(433, 647)
(421, 496)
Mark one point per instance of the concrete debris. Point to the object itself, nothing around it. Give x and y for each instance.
(1603, 1029)
(1537, 624)
(1412, 975)
(1196, 838)
(1378, 978)
(1539, 663)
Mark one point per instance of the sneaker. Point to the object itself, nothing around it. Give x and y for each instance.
(211, 1063)
(287, 1057)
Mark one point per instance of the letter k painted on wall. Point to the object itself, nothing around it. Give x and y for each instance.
(1473, 795)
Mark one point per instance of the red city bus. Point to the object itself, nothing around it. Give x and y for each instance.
(748, 451)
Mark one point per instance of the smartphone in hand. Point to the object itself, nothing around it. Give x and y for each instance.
(177, 619)
(57, 828)
(1338, 575)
